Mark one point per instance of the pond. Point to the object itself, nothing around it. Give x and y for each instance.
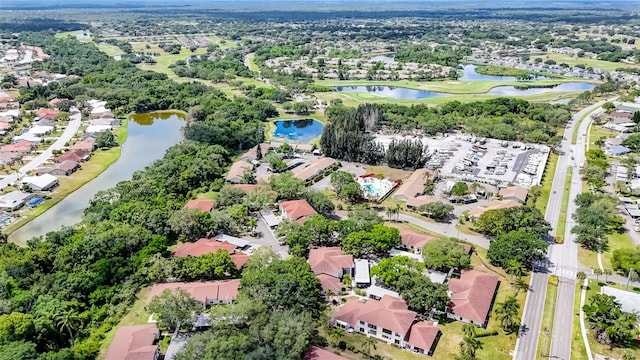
(300, 131)
(564, 87)
(148, 138)
(469, 73)
(390, 91)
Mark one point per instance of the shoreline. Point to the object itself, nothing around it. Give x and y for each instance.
(101, 159)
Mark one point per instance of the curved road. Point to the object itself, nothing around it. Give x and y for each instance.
(72, 128)
(562, 257)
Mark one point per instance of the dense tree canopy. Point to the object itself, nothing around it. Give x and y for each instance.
(519, 245)
(501, 221)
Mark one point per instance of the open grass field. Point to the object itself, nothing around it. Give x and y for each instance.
(100, 160)
(252, 63)
(109, 49)
(74, 33)
(597, 132)
(164, 60)
(594, 63)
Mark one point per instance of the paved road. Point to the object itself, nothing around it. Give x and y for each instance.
(448, 229)
(67, 134)
(562, 258)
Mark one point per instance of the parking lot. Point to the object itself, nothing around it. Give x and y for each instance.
(483, 160)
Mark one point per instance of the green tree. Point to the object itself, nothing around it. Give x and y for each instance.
(192, 224)
(507, 314)
(276, 164)
(389, 270)
(501, 221)
(367, 344)
(286, 186)
(16, 327)
(320, 201)
(445, 253)
(336, 334)
(105, 140)
(174, 310)
(612, 326)
(608, 107)
(67, 320)
(18, 350)
(459, 189)
(581, 276)
(437, 211)
(376, 242)
(520, 245)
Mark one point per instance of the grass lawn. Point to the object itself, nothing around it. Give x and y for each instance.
(597, 132)
(136, 316)
(163, 61)
(577, 344)
(109, 49)
(387, 172)
(65, 34)
(252, 63)
(547, 319)
(562, 219)
(616, 241)
(594, 63)
(100, 160)
(547, 182)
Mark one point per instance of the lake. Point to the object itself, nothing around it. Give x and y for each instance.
(300, 131)
(564, 87)
(148, 138)
(469, 73)
(390, 91)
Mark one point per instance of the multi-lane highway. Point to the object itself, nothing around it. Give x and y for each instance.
(562, 257)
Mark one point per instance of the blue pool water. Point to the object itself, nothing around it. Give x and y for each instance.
(390, 91)
(371, 189)
(300, 131)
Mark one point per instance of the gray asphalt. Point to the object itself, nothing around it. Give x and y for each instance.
(562, 259)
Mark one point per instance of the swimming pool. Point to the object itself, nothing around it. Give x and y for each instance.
(375, 189)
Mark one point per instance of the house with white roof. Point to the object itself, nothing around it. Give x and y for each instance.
(41, 182)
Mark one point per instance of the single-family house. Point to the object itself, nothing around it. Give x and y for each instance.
(249, 187)
(414, 241)
(88, 145)
(56, 101)
(493, 205)
(211, 246)
(316, 168)
(8, 158)
(42, 182)
(45, 123)
(472, 296)
(207, 292)
(296, 210)
(203, 205)
(237, 171)
(617, 150)
(73, 155)
(19, 147)
(388, 319)
(362, 275)
(252, 154)
(65, 168)
(96, 129)
(413, 186)
(515, 192)
(135, 342)
(44, 113)
(101, 113)
(330, 265)
(14, 200)
(416, 202)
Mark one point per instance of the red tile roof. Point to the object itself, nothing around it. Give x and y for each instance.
(423, 334)
(73, 155)
(239, 259)
(514, 191)
(472, 295)
(414, 239)
(223, 290)
(86, 145)
(44, 113)
(204, 205)
(330, 283)
(329, 260)
(414, 185)
(56, 101)
(390, 312)
(316, 353)
(22, 146)
(202, 247)
(134, 343)
(297, 209)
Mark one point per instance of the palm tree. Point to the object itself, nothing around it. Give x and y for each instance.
(67, 320)
(597, 272)
(507, 313)
(607, 272)
(520, 285)
(347, 280)
(336, 334)
(396, 210)
(469, 330)
(515, 268)
(581, 276)
(367, 344)
(469, 343)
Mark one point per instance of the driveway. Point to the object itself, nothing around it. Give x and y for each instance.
(268, 239)
(36, 162)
